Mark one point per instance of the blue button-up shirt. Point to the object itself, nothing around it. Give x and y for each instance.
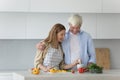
(87, 50)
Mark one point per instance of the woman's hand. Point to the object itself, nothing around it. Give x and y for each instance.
(79, 61)
(75, 62)
(46, 69)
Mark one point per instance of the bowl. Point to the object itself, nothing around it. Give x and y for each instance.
(80, 66)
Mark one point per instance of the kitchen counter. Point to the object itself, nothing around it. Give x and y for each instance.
(106, 75)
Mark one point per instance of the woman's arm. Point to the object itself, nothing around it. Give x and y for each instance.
(68, 66)
(38, 59)
(91, 51)
(38, 62)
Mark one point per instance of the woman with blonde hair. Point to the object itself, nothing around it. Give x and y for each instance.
(52, 55)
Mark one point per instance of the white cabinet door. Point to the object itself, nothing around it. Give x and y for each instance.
(39, 24)
(89, 24)
(14, 5)
(12, 25)
(38, 27)
(111, 6)
(66, 6)
(108, 26)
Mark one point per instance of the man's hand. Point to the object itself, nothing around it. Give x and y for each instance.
(89, 63)
(40, 46)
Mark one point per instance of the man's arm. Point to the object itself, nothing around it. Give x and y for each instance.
(91, 52)
(40, 45)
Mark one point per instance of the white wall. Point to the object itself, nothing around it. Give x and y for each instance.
(19, 53)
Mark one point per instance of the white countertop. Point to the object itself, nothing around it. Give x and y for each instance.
(106, 75)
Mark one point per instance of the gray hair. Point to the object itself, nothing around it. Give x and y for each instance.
(75, 20)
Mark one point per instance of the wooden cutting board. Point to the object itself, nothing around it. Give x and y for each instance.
(103, 57)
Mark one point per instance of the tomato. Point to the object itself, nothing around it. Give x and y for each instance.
(81, 70)
(72, 71)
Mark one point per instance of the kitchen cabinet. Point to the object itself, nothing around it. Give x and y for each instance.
(90, 24)
(36, 29)
(39, 24)
(71, 6)
(14, 5)
(111, 6)
(108, 26)
(66, 6)
(12, 26)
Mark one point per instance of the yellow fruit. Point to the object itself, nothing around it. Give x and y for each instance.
(53, 70)
(63, 70)
(58, 70)
(35, 71)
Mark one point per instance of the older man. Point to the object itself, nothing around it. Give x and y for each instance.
(78, 44)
